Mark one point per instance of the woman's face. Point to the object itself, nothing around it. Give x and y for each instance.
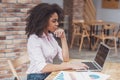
(53, 22)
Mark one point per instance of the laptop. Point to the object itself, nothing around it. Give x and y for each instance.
(100, 58)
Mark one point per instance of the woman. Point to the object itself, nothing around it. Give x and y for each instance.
(42, 23)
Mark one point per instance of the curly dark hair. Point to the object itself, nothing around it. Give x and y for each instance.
(39, 16)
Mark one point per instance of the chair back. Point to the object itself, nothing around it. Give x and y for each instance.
(13, 64)
(79, 31)
(79, 26)
(110, 28)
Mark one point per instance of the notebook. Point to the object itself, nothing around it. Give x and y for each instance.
(100, 58)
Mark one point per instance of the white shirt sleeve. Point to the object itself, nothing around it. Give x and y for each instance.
(36, 55)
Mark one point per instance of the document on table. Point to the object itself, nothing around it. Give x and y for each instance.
(66, 75)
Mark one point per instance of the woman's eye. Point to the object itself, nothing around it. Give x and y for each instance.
(54, 21)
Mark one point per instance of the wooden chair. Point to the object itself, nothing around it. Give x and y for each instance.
(105, 36)
(79, 31)
(14, 64)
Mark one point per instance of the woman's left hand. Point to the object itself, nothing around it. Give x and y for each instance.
(59, 33)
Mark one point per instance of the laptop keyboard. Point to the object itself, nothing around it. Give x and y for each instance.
(91, 65)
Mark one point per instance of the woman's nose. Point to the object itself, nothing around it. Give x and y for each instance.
(57, 23)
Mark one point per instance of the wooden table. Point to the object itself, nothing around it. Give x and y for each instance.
(110, 68)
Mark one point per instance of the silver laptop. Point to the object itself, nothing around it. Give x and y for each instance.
(100, 58)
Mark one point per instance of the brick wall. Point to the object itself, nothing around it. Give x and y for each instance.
(78, 9)
(12, 27)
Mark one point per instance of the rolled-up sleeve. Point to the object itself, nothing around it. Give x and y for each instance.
(37, 59)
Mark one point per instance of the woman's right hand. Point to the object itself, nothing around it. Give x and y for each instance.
(80, 66)
(59, 33)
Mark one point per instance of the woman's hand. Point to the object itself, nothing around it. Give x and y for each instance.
(80, 66)
(59, 33)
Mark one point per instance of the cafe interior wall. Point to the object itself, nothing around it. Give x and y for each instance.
(107, 14)
(59, 2)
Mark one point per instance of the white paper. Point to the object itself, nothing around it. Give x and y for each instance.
(66, 75)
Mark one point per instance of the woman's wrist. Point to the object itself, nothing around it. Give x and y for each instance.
(66, 65)
(63, 37)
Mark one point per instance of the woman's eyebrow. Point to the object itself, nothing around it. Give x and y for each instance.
(54, 19)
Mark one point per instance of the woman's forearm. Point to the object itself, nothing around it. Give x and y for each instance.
(55, 67)
(63, 66)
(61, 34)
(65, 50)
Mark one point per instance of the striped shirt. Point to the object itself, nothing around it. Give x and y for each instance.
(42, 51)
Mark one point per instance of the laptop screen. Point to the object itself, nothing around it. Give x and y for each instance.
(102, 54)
